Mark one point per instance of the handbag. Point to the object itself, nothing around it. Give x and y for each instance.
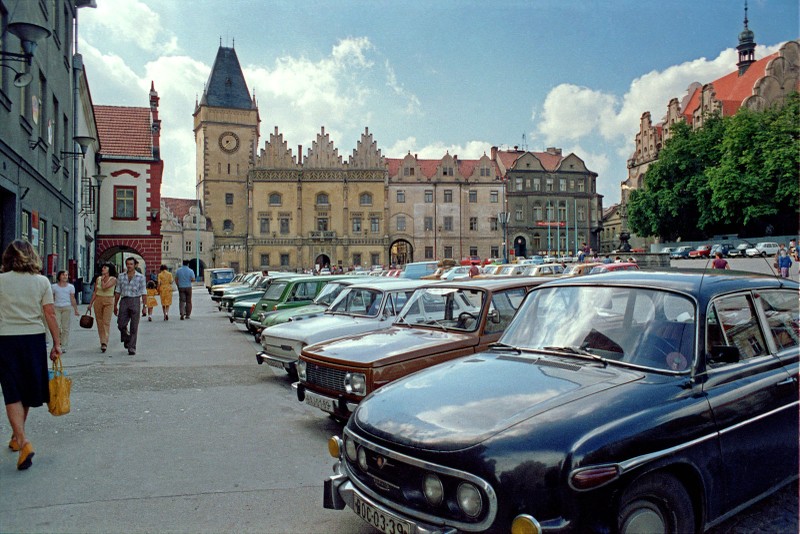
(60, 385)
(86, 320)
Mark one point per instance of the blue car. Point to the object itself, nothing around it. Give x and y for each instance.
(680, 253)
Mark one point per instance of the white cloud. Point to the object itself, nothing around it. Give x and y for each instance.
(436, 150)
(413, 107)
(128, 21)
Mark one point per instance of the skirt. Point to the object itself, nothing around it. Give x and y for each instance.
(23, 369)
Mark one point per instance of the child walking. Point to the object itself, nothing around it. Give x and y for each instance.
(152, 291)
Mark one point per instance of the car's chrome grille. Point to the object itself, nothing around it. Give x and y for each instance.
(325, 377)
(399, 482)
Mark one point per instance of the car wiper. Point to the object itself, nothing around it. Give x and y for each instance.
(581, 351)
(504, 346)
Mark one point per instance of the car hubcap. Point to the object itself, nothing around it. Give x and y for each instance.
(645, 520)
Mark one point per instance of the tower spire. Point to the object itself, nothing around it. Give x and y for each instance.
(747, 45)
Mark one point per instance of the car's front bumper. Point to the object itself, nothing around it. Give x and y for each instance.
(338, 405)
(286, 364)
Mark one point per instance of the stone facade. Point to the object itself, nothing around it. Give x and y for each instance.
(552, 200)
(444, 209)
(322, 212)
(184, 229)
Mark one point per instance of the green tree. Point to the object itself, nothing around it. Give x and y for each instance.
(675, 192)
(732, 172)
(756, 178)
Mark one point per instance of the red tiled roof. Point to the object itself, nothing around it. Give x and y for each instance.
(124, 131)
(179, 206)
(394, 165)
(550, 162)
(731, 90)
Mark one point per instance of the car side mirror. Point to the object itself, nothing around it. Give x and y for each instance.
(494, 316)
(724, 354)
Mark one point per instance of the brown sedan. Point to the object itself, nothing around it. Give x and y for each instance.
(440, 322)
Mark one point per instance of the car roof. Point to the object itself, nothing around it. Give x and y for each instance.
(391, 284)
(310, 278)
(687, 281)
(494, 284)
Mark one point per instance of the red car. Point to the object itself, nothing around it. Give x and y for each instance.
(703, 251)
(608, 267)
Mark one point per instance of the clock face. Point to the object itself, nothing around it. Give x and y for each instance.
(229, 142)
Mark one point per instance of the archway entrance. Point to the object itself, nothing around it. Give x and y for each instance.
(323, 261)
(520, 246)
(198, 273)
(116, 256)
(401, 252)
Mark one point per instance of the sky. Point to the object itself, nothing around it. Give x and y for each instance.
(426, 76)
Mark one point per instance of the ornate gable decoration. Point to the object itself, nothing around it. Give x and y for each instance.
(322, 154)
(276, 154)
(367, 155)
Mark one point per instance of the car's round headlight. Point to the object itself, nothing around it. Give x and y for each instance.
(355, 383)
(469, 499)
(301, 370)
(350, 449)
(433, 489)
(362, 458)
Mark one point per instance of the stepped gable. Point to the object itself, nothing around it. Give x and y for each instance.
(124, 132)
(276, 153)
(367, 155)
(226, 86)
(322, 154)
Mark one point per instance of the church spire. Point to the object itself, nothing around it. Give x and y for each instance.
(747, 46)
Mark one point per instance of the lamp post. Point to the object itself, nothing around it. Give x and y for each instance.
(504, 217)
(29, 35)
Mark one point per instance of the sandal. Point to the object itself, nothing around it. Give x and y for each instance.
(103, 347)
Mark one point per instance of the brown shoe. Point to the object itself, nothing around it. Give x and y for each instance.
(13, 445)
(25, 456)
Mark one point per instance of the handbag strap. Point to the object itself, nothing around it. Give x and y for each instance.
(88, 311)
(58, 367)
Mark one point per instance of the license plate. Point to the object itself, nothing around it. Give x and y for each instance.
(382, 521)
(318, 401)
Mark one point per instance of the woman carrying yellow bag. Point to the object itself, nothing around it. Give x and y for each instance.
(60, 387)
(25, 297)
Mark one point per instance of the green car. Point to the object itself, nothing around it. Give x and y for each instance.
(286, 293)
(326, 296)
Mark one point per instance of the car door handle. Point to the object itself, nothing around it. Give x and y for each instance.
(788, 381)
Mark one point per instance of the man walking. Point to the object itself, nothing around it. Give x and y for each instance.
(184, 277)
(131, 289)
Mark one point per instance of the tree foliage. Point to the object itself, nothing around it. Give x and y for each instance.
(733, 172)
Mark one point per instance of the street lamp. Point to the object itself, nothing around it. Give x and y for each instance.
(29, 35)
(503, 217)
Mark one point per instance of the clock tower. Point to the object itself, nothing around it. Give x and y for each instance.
(226, 123)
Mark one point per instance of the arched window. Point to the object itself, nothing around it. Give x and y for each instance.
(365, 199)
(227, 225)
(274, 199)
(322, 198)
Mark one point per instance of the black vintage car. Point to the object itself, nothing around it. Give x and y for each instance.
(631, 402)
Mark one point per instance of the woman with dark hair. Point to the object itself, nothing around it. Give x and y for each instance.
(64, 303)
(103, 300)
(165, 290)
(25, 296)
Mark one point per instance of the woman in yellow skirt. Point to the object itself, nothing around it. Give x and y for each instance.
(165, 290)
(152, 291)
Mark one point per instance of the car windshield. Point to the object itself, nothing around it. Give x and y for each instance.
(358, 301)
(633, 326)
(329, 293)
(445, 308)
(275, 290)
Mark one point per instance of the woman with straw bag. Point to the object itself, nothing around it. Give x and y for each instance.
(25, 297)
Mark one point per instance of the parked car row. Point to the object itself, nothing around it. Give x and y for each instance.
(630, 402)
(764, 248)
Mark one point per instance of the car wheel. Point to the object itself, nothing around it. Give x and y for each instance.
(656, 504)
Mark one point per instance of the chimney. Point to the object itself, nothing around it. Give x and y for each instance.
(494, 153)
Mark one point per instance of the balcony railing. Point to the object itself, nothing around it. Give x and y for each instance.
(323, 235)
